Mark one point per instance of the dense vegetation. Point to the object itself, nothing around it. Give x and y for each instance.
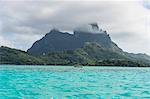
(90, 54)
(13, 56)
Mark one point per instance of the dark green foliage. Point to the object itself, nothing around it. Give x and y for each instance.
(120, 63)
(91, 54)
(13, 56)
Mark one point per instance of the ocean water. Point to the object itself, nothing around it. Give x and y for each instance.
(60, 82)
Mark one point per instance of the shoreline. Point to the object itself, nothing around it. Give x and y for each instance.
(77, 66)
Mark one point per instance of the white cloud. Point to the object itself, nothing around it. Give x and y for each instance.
(23, 41)
(4, 42)
(127, 21)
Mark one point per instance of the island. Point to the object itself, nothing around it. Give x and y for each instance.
(87, 46)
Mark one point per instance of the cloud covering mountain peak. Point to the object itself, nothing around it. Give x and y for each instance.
(89, 28)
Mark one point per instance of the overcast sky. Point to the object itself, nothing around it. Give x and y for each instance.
(22, 22)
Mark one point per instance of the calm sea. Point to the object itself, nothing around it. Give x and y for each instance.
(63, 82)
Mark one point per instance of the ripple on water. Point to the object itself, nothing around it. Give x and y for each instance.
(69, 82)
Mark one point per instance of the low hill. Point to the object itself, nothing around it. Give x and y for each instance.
(18, 57)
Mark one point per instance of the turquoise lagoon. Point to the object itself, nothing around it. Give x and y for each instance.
(63, 82)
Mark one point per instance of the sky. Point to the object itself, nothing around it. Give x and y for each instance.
(22, 22)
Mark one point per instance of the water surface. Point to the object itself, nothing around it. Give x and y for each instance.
(60, 82)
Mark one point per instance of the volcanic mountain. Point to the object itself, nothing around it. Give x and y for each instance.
(88, 45)
(61, 41)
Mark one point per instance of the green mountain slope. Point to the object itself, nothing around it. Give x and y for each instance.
(93, 54)
(13, 56)
(89, 54)
(139, 57)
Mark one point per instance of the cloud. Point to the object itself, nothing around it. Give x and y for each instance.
(127, 22)
(4, 42)
(20, 41)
